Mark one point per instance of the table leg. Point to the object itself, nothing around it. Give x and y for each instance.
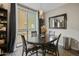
(43, 51)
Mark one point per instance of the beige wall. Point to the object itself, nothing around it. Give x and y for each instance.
(72, 30)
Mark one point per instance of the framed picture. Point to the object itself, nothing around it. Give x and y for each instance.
(58, 22)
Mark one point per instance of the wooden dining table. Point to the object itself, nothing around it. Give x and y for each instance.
(41, 43)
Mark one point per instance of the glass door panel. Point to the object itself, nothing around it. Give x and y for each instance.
(22, 24)
(22, 18)
(32, 25)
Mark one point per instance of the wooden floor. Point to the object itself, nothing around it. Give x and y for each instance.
(62, 52)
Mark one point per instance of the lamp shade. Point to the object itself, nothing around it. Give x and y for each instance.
(41, 14)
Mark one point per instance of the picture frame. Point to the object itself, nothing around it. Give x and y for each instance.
(58, 22)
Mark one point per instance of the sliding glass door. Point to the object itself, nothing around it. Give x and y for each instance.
(27, 24)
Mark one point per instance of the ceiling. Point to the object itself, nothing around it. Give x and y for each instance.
(44, 6)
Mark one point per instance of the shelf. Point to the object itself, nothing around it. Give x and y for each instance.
(3, 17)
(2, 9)
(3, 38)
(3, 31)
(3, 23)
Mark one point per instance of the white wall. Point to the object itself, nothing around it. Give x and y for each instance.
(35, 6)
(72, 30)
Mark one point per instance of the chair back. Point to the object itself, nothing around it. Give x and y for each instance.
(58, 40)
(24, 42)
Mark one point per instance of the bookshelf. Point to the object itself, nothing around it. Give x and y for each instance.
(3, 28)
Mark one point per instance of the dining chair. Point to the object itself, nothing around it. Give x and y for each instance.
(53, 46)
(31, 50)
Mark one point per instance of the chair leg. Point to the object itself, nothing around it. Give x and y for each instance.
(58, 53)
(55, 53)
(22, 52)
(45, 51)
(36, 53)
(26, 53)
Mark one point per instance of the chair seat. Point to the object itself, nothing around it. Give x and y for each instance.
(33, 48)
(54, 47)
(51, 47)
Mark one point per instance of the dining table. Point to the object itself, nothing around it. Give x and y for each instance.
(41, 42)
